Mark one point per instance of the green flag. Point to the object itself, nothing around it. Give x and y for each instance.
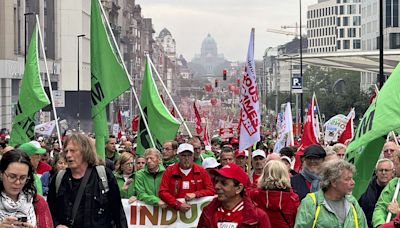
(163, 126)
(382, 116)
(108, 77)
(32, 96)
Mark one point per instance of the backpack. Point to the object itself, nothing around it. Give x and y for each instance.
(318, 208)
(101, 171)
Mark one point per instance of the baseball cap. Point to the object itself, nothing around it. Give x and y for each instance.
(185, 147)
(286, 158)
(239, 153)
(258, 153)
(232, 171)
(31, 148)
(210, 163)
(315, 151)
(234, 140)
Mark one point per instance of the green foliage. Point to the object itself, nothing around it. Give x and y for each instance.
(333, 101)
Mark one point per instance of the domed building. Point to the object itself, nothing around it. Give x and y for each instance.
(209, 62)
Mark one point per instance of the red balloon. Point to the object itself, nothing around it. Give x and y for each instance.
(237, 91)
(208, 87)
(214, 101)
(232, 87)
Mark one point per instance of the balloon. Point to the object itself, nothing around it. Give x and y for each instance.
(232, 87)
(208, 87)
(237, 91)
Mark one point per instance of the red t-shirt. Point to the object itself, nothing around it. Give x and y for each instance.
(255, 179)
(43, 167)
(230, 217)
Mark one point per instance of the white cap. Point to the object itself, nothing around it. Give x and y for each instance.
(286, 158)
(210, 162)
(185, 147)
(258, 153)
(35, 143)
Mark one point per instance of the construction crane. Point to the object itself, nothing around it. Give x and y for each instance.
(282, 32)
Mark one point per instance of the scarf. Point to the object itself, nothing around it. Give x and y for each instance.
(312, 178)
(23, 207)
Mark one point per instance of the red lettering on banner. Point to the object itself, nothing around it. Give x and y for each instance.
(133, 215)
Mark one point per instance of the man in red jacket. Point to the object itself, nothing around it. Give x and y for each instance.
(184, 180)
(232, 207)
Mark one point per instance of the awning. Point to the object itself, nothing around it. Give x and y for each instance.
(364, 61)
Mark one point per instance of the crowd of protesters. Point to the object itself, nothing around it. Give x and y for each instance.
(257, 187)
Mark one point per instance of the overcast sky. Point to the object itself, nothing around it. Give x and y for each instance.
(228, 21)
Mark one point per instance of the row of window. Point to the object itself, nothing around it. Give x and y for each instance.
(326, 41)
(351, 32)
(322, 49)
(321, 22)
(345, 44)
(320, 32)
(347, 1)
(334, 10)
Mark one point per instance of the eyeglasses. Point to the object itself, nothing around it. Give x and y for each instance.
(385, 170)
(13, 178)
(167, 149)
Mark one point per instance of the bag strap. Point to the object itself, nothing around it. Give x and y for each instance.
(284, 218)
(101, 171)
(318, 207)
(59, 178)
(355, 216)
(80, 193)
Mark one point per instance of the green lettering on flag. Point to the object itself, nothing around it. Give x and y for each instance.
(32, 96)
(108, 77)
(163, 126)
(382, 116)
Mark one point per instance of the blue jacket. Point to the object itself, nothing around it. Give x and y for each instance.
(369, 198)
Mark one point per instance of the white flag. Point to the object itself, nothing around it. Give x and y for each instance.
(249, 102)
(45, 128)
(286, 136)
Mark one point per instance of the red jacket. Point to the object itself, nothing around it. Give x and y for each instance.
(273, 202)
(42, 212)
(173, 181)
(252, 216)
(43, 167)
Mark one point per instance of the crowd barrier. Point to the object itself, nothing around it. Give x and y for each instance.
(139, 214)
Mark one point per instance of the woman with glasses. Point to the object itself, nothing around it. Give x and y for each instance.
(124, 173)
(20, 206)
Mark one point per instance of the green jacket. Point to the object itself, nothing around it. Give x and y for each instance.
(381, 211)
(38, 184)
(204, 155)
(147, 185)
(171, 161)
(327, 218)
(131, 188)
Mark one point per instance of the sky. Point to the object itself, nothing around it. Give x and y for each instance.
(228, 21)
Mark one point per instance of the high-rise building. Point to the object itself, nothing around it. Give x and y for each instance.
(370, 32)
(334, 25)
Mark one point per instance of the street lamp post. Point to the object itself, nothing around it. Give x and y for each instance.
(26, 32)
(301, 70)
(79, 91)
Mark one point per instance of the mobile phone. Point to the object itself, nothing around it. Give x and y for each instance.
(22, 219)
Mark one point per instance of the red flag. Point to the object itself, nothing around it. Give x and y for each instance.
(135, 123)
(199, 129)
(206, 139)
(308, 138)
(173, 112)
(349, 130)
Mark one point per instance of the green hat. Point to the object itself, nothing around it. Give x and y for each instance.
(31, 148)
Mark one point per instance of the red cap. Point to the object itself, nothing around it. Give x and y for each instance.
(239, 153)
(234, 140)
(232, 171)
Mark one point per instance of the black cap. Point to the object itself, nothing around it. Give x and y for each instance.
(315, 151)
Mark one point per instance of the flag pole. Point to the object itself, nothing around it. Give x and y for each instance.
(127, 73)
(48, 80)
(170, 97)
